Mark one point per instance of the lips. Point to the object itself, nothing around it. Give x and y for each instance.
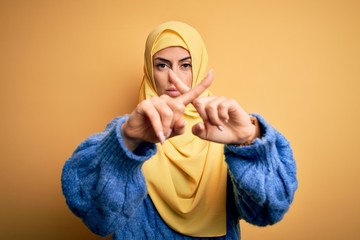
(173, 92)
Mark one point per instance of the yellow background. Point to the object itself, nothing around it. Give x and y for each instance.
(68, 67)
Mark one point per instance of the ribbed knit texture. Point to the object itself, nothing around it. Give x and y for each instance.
(104, 186)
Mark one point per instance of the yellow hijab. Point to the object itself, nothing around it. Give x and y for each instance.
(186, 178)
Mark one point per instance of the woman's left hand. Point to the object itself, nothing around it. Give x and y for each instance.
(224, 120)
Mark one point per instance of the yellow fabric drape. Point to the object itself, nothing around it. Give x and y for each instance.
(186, 178)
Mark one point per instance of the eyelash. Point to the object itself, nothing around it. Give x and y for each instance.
(187, 65)
(163, 65)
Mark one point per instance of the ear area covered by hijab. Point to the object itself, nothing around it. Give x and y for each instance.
(187, 177)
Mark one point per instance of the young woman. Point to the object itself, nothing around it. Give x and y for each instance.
(185, 164)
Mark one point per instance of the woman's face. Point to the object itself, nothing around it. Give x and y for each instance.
(177, 59)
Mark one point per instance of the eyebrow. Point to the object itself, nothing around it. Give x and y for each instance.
(168, 61)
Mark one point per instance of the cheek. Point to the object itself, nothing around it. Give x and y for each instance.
(188, 79)
(160, 82)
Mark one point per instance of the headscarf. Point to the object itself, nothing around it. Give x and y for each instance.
(186, 178)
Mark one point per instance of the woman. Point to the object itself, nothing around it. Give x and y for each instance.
(185, 164)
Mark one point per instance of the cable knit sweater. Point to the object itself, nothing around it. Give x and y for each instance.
(103, 184)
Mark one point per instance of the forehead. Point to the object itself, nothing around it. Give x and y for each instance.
(172, 52)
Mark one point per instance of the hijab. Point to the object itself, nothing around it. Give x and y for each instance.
(186, 178)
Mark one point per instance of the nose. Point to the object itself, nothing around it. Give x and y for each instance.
(171, 77)
(175, 70)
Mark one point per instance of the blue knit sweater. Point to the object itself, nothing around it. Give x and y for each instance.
(103, 184)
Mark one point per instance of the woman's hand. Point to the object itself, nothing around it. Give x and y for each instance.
(153, 120)
(158, 118)
(224, 120)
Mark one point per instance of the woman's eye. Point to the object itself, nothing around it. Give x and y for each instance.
(186, 65)
(161, 65)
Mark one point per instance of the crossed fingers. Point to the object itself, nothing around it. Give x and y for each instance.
(162, 114)
(189, 95)
(165, 113)
(167, 120)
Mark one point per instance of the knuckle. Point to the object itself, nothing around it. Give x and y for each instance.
(164, 97)
(167, 114)
(143, 105)
(197, 102)
(146, 102)
(222, 98)
(210, 108)
(221, 107)
(181, 108)
(153, 99)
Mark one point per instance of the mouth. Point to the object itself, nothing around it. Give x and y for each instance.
(173, 92)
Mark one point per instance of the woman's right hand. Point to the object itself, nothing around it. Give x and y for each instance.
(156, 119)
(152, 120)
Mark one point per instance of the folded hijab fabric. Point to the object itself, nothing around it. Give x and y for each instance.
(186, 178)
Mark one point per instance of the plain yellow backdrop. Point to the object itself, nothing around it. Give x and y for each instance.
(68, 67)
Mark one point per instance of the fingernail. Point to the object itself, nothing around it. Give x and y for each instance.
(161, 137)
(221, 128)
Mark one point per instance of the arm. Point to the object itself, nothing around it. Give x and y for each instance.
(102, 181)
(264, 176)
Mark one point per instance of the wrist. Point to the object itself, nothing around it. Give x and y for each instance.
(130, 143)
(256, 132)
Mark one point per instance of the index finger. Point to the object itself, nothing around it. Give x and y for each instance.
(180, 85)
(195, 92)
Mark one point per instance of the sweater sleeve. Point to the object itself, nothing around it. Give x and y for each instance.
(102, 181)
(263, 176)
